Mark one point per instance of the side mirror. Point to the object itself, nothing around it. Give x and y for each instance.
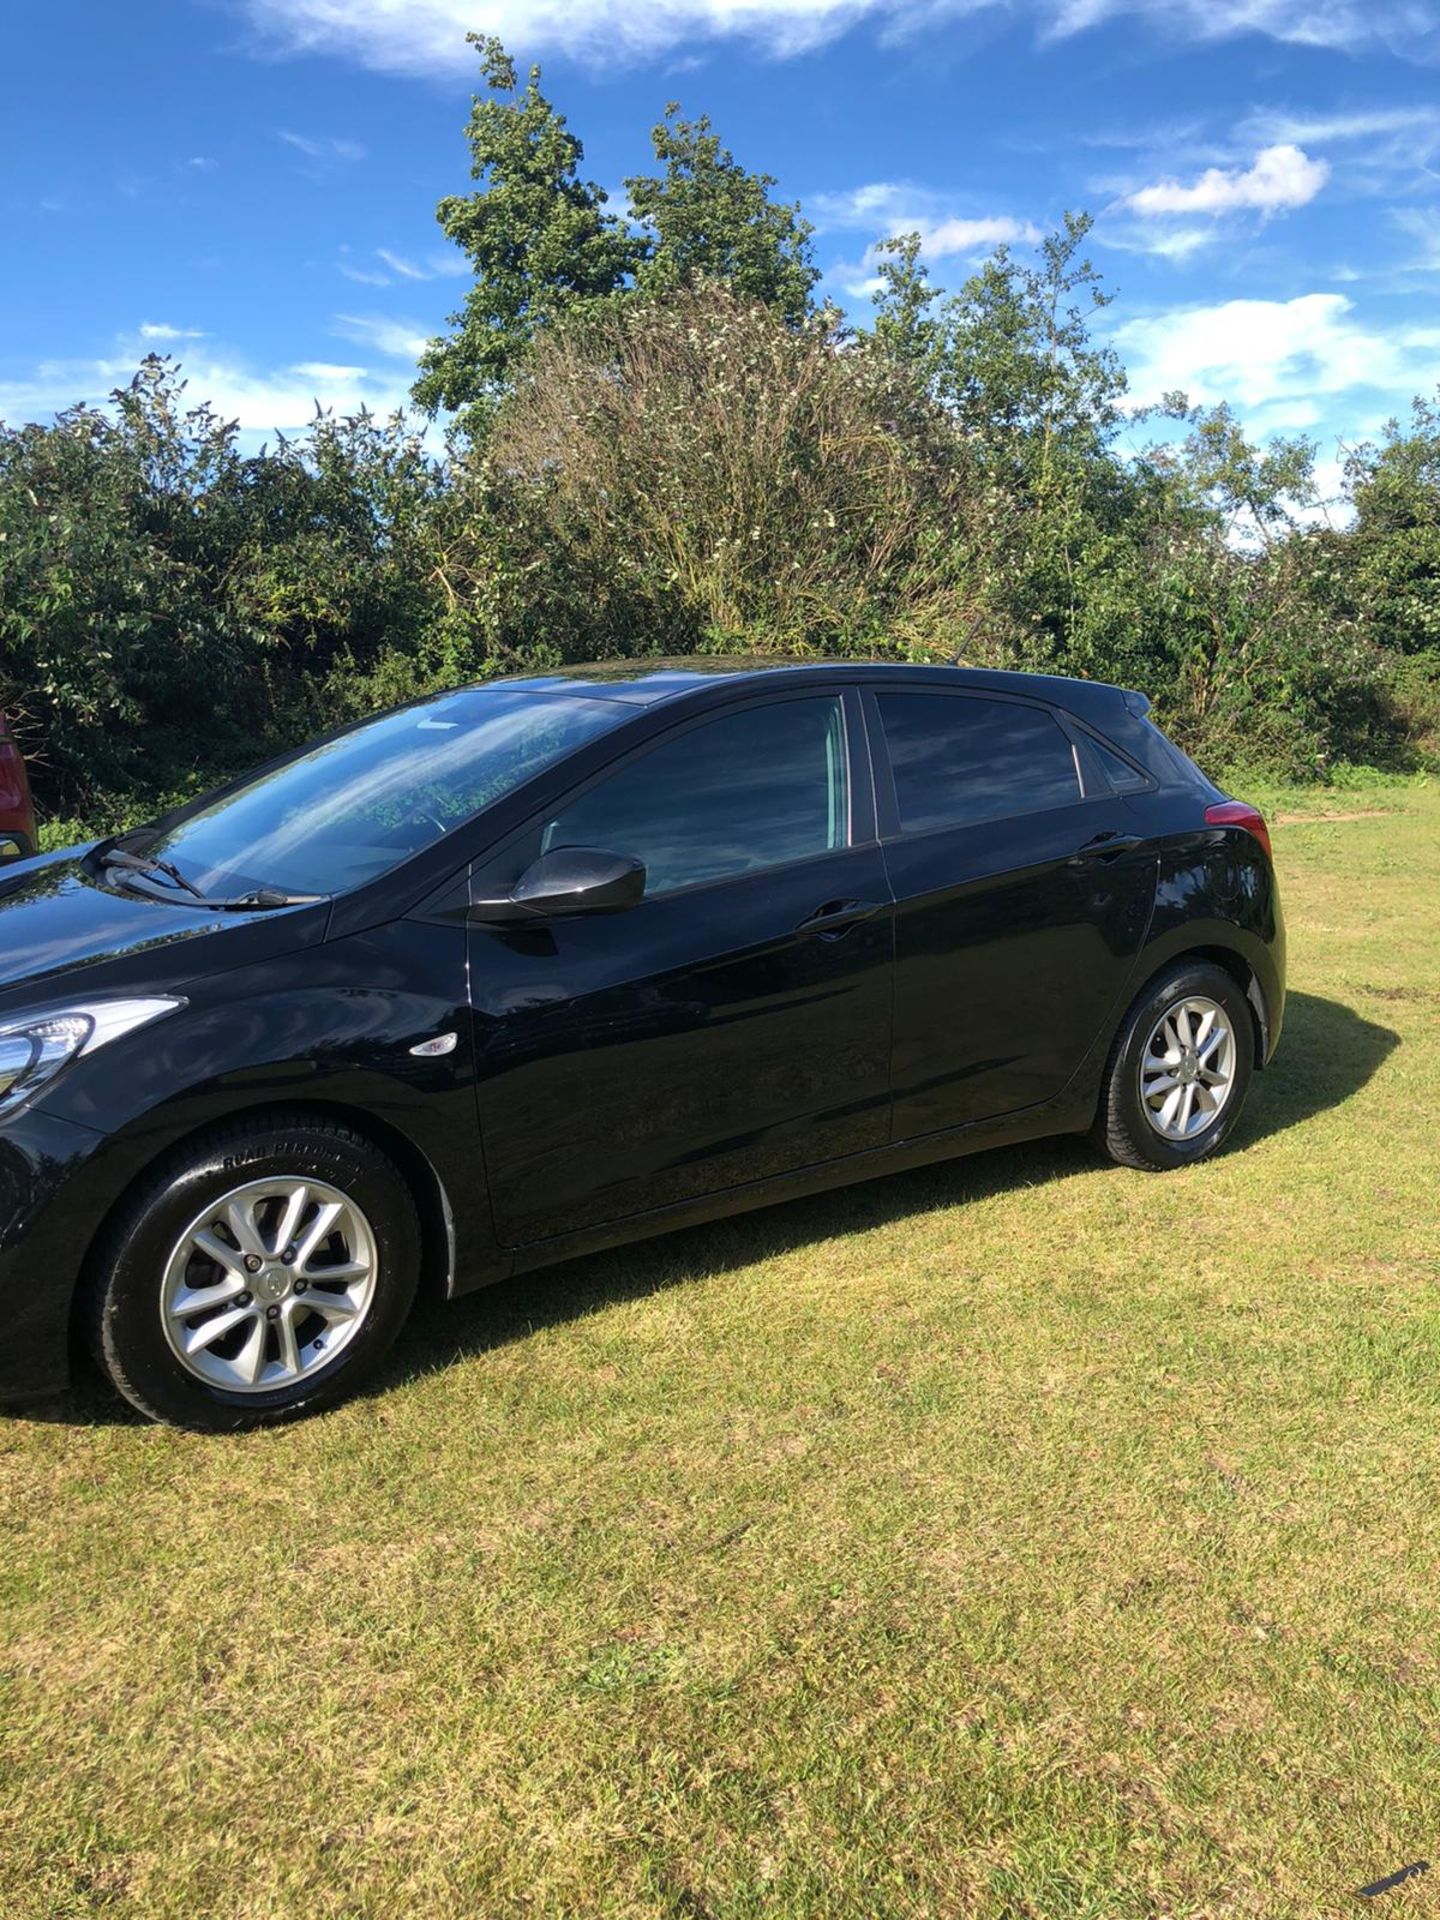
(571, 880)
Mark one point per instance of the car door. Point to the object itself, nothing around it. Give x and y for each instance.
(732, 1026)
(1021, 900)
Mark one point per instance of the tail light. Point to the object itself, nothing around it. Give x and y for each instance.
(1235, 813)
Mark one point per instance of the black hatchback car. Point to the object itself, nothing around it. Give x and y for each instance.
(553, 963)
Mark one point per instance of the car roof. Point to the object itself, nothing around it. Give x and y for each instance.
(648, 682)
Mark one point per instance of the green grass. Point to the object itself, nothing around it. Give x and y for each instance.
(1025, 1537)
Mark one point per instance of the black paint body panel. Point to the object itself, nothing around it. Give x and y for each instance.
(618, 1076)
(741, 1050)
(1010, 956)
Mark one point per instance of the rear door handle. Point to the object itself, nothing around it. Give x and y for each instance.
(1107, 846)
(837, 917)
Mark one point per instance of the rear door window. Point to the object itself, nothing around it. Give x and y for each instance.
(962, 758)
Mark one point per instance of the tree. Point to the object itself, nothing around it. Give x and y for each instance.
(171, 606)
(537, 235)
(1260, 493)
(1019, 369)
(1394, 551)
(542, 243)
(1219, 591)
(1035, 404)
(904, 329)
(706, 218)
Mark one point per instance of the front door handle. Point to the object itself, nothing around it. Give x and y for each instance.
(1107, 846)
(837, 917)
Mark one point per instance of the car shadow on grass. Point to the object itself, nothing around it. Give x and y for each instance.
(1328, 1053)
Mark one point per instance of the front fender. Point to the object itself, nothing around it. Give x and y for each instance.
(330, 1029)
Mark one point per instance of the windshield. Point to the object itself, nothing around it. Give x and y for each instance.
(348, 811)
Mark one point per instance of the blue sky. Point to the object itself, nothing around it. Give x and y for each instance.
(250, 184)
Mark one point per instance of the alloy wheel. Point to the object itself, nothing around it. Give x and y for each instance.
(1187, 1070)
(268, 1284)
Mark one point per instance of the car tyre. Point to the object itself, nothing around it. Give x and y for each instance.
(300, 1333)
(1179, 1070)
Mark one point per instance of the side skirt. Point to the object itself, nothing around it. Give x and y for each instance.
(1065, 1114)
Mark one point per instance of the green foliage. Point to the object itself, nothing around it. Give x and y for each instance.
(737, 483)
(904, 329)
(662, 448)
(543, 245)
(537, 236)
(1394, 575)
(1034, 404)
(707, 219)
(1204, 590)
(170, 607)
(1014, 363)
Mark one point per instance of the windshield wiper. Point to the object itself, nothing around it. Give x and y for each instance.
(261, 897)
(138, 863)
(256, 899)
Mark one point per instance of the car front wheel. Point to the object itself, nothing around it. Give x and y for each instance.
(260, 1277)
(1179, 1070)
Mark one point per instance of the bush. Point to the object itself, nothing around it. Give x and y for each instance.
(689, 474)
(695, 473)
(170, 608)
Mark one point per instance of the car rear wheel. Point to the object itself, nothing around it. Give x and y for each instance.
(1179, 1070)
(260, 1278)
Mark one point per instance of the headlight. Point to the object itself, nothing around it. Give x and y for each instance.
(34, 1049)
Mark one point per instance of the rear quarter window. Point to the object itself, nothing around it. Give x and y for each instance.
(1106, 770)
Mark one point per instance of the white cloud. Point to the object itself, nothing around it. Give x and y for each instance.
(262, 401)
(428, 36)
(1404, 26)
(885, 208)
(396, 339)
(323, 148)
(397, 266)
(157, 330)
(435, 266)
(1387, 150)
(1273, 359)
(882, 209)
(861, 286)
(202, 163)
(1281, 177)
(1269, 124)
(1166, 136)
(974, 236)
(406, 269)
(1169, 243)
(1423, 226)
(866, 206)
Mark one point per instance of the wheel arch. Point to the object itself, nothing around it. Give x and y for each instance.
(1245, 977)
(432, 1201)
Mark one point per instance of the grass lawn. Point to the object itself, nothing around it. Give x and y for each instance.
(1023, 1537)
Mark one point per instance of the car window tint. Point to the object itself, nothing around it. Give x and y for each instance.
(1105, 770)
(746, 791)
(349, 809)
(958, 758)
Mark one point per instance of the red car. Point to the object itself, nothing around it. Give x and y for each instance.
(17, 815)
